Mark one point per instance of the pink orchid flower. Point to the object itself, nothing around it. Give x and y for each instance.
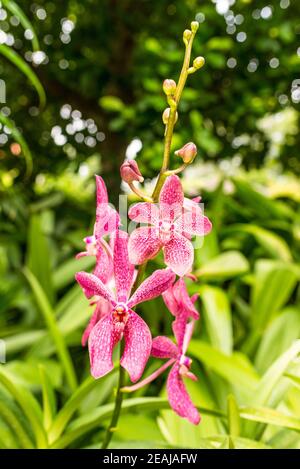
(172, 227)
(179, 302)
(162, 347)
(107, 221)
(122, 321)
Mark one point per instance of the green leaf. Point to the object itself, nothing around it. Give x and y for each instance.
(19, 13)
(227, 265)
(54, 331)
(16, 134)
(14, 423)
(28, 404)
(271, 417)
(65, 273)
(233, 416)
(282, 331)
(270, 241)
(49, 399)
(295, 379)
(38, 255)
(217, 317)
(92, 420)
(111, 103)
(70, 407)
(231, 368)
(20, 63)
(274, 283)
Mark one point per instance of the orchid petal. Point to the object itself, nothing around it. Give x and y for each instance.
(170, 300)
(184, 301)
(179, 254)
(178, 397)
(193, 223)
(187, 336)
(162, 347)
(144, 212)
(103, 268)
(92, 285)
(123, 269)
(171, 199)
(102, 340)
(153, 286)
(137, 349)
(143, 244)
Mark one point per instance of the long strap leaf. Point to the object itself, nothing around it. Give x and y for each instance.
(49, 317)
(25, 22)
(20, 63)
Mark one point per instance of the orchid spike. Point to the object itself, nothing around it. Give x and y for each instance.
(107, 221)
(172, 227)
(121, 320)
(162, 347)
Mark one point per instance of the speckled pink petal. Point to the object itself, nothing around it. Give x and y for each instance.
(102, 340)
(183, 299)
(101, 191)
(193, 223)
(179, 327)
(162, 347)
(153, 286)
(123, 269)
(171, 199)
(170, 301)
(179, 255)
(137, 349)
(103, 307)
(144, 212)
(143, 244)
(104, 265)
(92, 285)
(107, 220)
(189, 329)
(178, 397)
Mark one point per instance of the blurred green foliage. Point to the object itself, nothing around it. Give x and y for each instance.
(103, 63)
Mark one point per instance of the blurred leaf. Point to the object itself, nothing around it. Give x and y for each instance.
(217, 316)
(65, 273)
(16, 134)
(233, 416)
(270, 416)
(274, 283)
(282, 331)
(17, 60)
(49, 399)
(227, 265)
(38, 255)
(29, 406)
(19, 13)
(49, 317)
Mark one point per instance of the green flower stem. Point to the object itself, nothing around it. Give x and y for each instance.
(172, 118)
(118, 405)
(164, 172)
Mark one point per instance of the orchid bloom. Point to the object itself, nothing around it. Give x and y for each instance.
(162, 347)
(107, 221)
(181, 305)
(172, 227)
(122, 321)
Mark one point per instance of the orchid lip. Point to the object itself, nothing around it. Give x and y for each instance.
(185, 361)
(120, 314)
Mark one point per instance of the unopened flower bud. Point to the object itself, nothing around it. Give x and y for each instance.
(169, 87)
(130, 171)
(187, 34)
(166, 115)
(188, 152)
(198, 62)
(194, 26)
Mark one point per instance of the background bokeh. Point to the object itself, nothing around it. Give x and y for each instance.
(81, 81)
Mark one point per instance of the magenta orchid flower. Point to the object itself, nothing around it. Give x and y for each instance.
(107, 221)
(179, 302)
(122, 321)
(162, 347)
(172, 227)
